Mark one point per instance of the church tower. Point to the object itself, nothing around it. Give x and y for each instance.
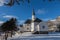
(33, 19)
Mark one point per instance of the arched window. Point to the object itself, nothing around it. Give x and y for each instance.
(43, 27)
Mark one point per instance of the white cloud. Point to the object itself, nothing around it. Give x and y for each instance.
(9, 16)
(41, 11)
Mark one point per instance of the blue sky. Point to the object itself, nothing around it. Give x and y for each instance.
(43, 10)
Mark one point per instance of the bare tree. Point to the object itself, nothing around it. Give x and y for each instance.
(12, 2)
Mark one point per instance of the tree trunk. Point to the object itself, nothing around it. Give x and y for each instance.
(11, 33)
(5, 36)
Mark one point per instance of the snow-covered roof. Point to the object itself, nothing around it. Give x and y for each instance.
(28, 21)
(58, 17)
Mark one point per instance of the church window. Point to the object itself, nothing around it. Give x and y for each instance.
(43, 27)
(27, 28)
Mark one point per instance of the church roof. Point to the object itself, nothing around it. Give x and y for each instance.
(28, 21)
(37, 20)
(21, 25)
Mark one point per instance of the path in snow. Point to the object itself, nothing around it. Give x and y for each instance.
(29, 36)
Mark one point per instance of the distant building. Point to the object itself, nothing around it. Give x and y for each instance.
(53, 24)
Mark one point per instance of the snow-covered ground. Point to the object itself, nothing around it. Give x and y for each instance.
(30, 36)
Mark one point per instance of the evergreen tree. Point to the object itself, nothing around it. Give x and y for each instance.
(9, 26)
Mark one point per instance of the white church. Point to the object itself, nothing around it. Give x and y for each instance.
(34, 24)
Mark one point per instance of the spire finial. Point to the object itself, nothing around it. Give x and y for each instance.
(33, 12)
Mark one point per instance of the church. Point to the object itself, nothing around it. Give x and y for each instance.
(34, 25)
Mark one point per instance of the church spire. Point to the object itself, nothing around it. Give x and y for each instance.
(33, 12)
(33, 15)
